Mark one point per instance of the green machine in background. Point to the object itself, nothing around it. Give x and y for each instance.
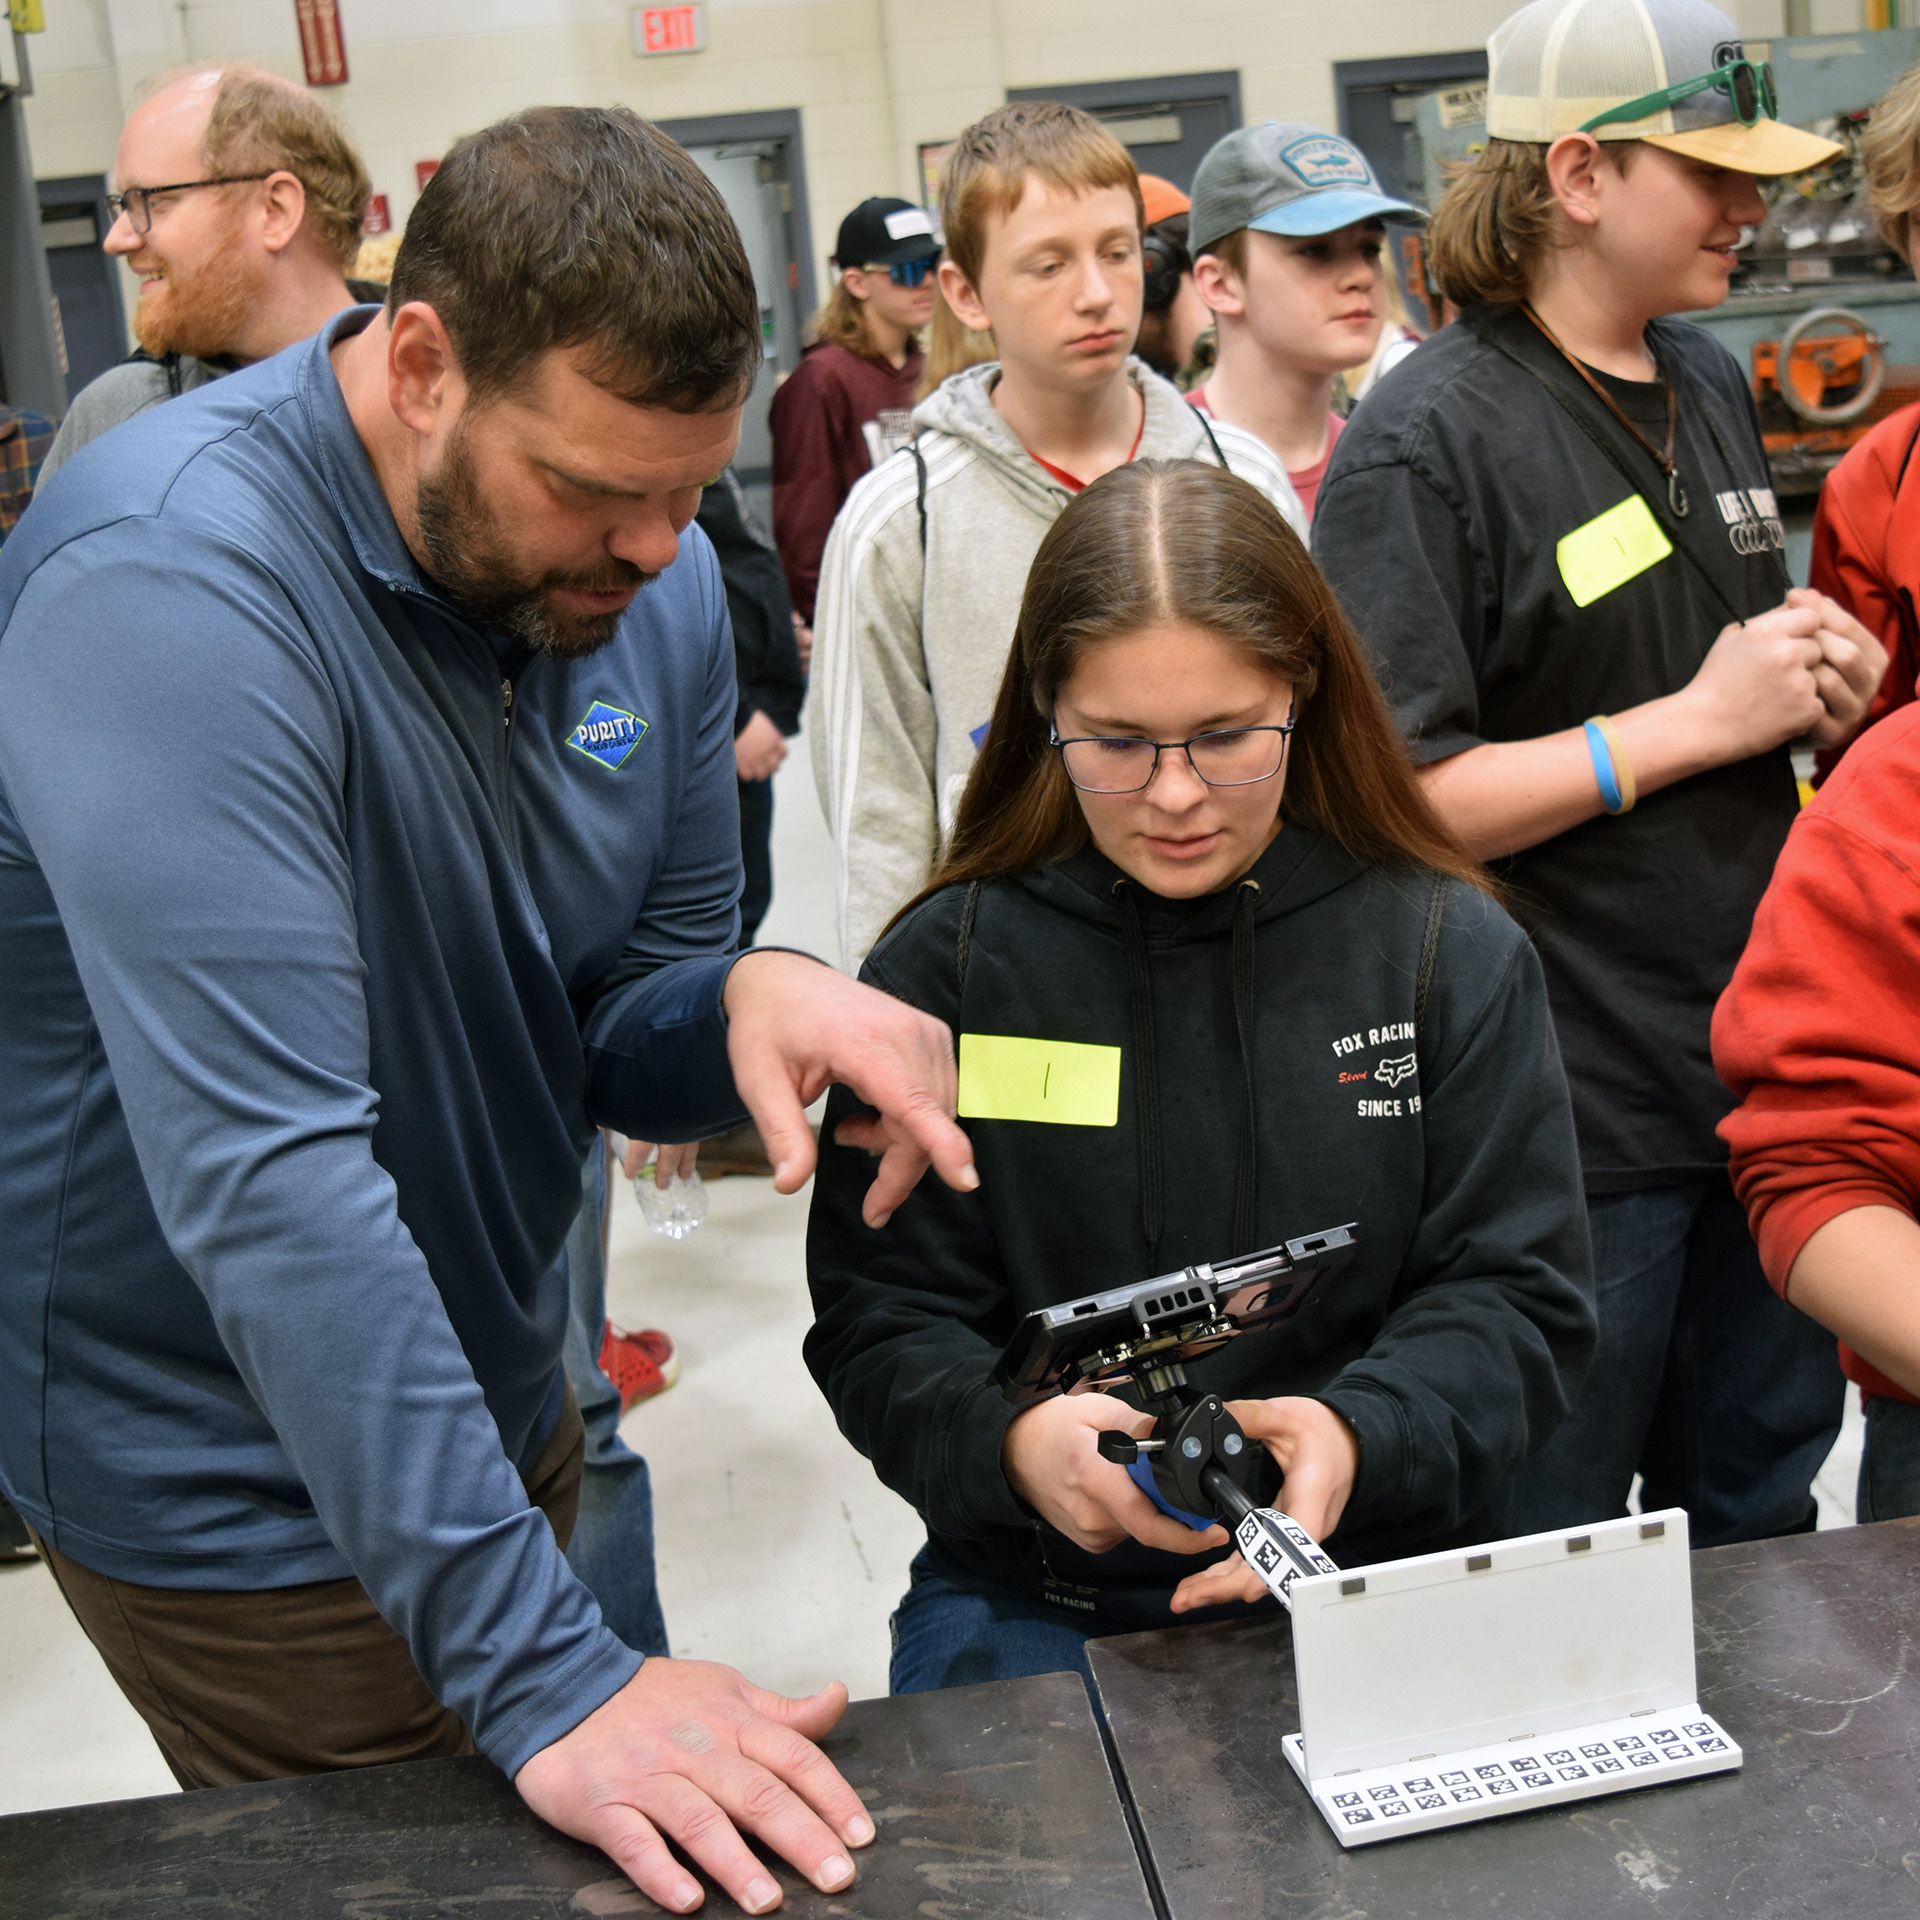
(1823, 314)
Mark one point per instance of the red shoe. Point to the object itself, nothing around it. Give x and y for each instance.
(640, 1364)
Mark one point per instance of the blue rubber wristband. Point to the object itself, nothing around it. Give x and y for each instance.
(1603, 768)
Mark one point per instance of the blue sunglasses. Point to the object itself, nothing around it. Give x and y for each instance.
(911, 273)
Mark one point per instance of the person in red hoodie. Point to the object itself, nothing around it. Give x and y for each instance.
(849, 402)
(1818, 1036)
(1866, 532)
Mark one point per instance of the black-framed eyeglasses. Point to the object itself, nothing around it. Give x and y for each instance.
(1749, 83)
(1230, 757)
(910, 273)
(137, 202)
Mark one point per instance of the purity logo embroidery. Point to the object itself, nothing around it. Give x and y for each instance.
(607, 734)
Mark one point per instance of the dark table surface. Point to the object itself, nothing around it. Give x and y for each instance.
(989, 1800)
(1805, 1651)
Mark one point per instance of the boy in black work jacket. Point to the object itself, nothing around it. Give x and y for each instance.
(1584, 627)
(1194, 864)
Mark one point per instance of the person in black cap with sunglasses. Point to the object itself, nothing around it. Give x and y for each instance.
(847, 405)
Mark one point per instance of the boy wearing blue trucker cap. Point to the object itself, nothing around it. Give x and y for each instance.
(1562, 545)
(1287, 234)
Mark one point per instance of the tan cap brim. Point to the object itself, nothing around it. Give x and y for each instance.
(1767, 147)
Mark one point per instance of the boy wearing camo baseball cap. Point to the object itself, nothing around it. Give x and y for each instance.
(1562, 543)
(1287, 235)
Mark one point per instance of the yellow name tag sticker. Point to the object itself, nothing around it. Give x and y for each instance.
(1062, 1081)
(1608, 552)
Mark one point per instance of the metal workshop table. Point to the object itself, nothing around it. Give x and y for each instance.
(1805, 1650)
(990, 1800)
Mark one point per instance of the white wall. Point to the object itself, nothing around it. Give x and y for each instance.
(872, 78)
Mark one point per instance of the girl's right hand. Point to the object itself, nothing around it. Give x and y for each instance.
(1051, 1460)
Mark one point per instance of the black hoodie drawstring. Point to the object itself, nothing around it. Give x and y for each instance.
(1246, 1179)
(1146, 1076)
(1146, 1069)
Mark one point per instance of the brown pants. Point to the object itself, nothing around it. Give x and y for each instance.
(286, 1680)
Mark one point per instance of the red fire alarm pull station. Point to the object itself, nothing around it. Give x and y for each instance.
(658, 30)
(322, 45)
(423, 171)
(379, 216)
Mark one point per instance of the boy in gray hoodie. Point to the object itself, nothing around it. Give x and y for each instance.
(924, 569)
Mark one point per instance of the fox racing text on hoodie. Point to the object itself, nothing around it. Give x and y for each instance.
(915, 616)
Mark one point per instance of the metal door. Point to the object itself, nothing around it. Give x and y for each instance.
(86, 284)
(1377, 99)
(755, 179)
(1167, 123)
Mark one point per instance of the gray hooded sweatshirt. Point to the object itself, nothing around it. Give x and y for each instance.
(910, 644)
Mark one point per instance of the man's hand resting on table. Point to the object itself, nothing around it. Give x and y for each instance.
(795, 1026)
(1051, 1459)
(690, 1752)
(1318, 1455)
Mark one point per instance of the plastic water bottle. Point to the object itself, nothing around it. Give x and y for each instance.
(673, 1211)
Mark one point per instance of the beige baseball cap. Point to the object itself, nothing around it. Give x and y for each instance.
(1570, 66)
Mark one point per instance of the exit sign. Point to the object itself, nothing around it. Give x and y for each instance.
(659, 30)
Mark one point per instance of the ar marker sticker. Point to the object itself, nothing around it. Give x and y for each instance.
(1610, 550)
(607, 734)
(1060, 1081)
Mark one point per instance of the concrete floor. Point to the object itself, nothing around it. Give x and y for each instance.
(779, 1551)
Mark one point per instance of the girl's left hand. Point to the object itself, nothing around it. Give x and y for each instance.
(1318, 1455)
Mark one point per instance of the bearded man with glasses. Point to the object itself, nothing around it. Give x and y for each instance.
(239, 206)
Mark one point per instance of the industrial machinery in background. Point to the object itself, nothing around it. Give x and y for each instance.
(1824, 315)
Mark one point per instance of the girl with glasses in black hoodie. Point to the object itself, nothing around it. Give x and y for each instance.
(1193, 862)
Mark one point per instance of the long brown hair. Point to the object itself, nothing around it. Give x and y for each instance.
(842, 322)
(1499, 218)
(1165, 542)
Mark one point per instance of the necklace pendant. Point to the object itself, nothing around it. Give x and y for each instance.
(1676, 494)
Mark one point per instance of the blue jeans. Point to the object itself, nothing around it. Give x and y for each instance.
(953, 1631)
(1723, 1398)
(612, 1546)
(1890, 1462)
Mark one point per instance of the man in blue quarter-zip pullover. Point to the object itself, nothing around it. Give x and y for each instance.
(367, 838)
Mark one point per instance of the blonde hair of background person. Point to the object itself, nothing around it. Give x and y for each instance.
(842, 320)
(1398, 338)
(374, 261)
(952, 347)
(1890, 151)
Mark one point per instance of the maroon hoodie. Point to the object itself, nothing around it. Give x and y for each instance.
(820, 448)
